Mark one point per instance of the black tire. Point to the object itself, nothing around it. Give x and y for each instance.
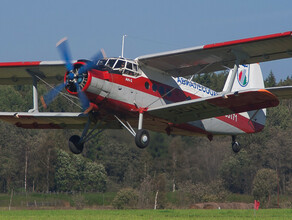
(236, 147)
(142, 138)
(74, 145)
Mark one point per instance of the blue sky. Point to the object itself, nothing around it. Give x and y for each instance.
(30, 29)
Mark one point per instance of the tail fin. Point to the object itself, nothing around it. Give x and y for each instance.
(247, 77)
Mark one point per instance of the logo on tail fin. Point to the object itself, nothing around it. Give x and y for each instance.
(243, 75)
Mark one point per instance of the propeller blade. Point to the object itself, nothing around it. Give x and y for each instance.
(94, 59)
(52, 94)
(63, 47)
(82, 97)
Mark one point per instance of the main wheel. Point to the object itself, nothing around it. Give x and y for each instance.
(142, 138)
(236, 147)
(74, 145)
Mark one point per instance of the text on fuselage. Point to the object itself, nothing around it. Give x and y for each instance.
(129, 80)
(196, 86)
(232, 117)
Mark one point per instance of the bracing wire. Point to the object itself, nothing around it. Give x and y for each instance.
(66, 96)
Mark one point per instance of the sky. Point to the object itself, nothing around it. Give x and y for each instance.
(30, 29)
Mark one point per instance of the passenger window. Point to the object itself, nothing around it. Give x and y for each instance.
(154, 87)
(147, 85)
(161, 90)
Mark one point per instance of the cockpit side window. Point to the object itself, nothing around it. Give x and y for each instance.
(101, 62)
(129, 66)
(131, 69)
(120, 64)
(111, 62)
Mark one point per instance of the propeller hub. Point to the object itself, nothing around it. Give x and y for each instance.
(75, 77)
(71, 76)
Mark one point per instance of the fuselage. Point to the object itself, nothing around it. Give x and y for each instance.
(119, 86)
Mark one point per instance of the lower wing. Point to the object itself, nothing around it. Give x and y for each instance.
(216, 106)
(53, 120)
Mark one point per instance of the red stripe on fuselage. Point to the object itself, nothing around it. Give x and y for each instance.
(138, 83)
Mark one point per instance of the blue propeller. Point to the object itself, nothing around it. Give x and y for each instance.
(82, 97)
(52, 94)
(63, 47)
(98, 56)
(72, 77)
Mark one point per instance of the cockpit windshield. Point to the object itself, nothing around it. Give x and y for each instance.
(119, 66)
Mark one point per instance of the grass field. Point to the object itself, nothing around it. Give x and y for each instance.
(147, 214)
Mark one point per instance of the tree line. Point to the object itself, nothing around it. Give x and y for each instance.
(200, 170)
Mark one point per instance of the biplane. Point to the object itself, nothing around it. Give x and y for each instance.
(155, 92)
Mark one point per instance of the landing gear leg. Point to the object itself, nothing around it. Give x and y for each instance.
(235, 145)
(76, 143)
(142, 137)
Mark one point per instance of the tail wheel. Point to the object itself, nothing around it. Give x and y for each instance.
(142, 138)
(236, 147)
(74, 145)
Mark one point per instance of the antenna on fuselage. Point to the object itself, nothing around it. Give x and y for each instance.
(123, 44)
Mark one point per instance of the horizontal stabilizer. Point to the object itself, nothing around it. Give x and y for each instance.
(283, 92)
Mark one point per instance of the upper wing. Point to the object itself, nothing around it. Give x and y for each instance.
(52, 120)
(215, 57)
(13, 73)
(215, 106)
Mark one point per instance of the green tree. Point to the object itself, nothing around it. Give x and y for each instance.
(66, 173)
(201, 192)
(94, 177)
(74, 173)
(264, 184)
(126, 198)
(214, 81)
(237, 172)
(270, 81)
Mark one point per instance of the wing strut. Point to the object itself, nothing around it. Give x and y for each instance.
(35, 95)
(34, 92)
(241, 57)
